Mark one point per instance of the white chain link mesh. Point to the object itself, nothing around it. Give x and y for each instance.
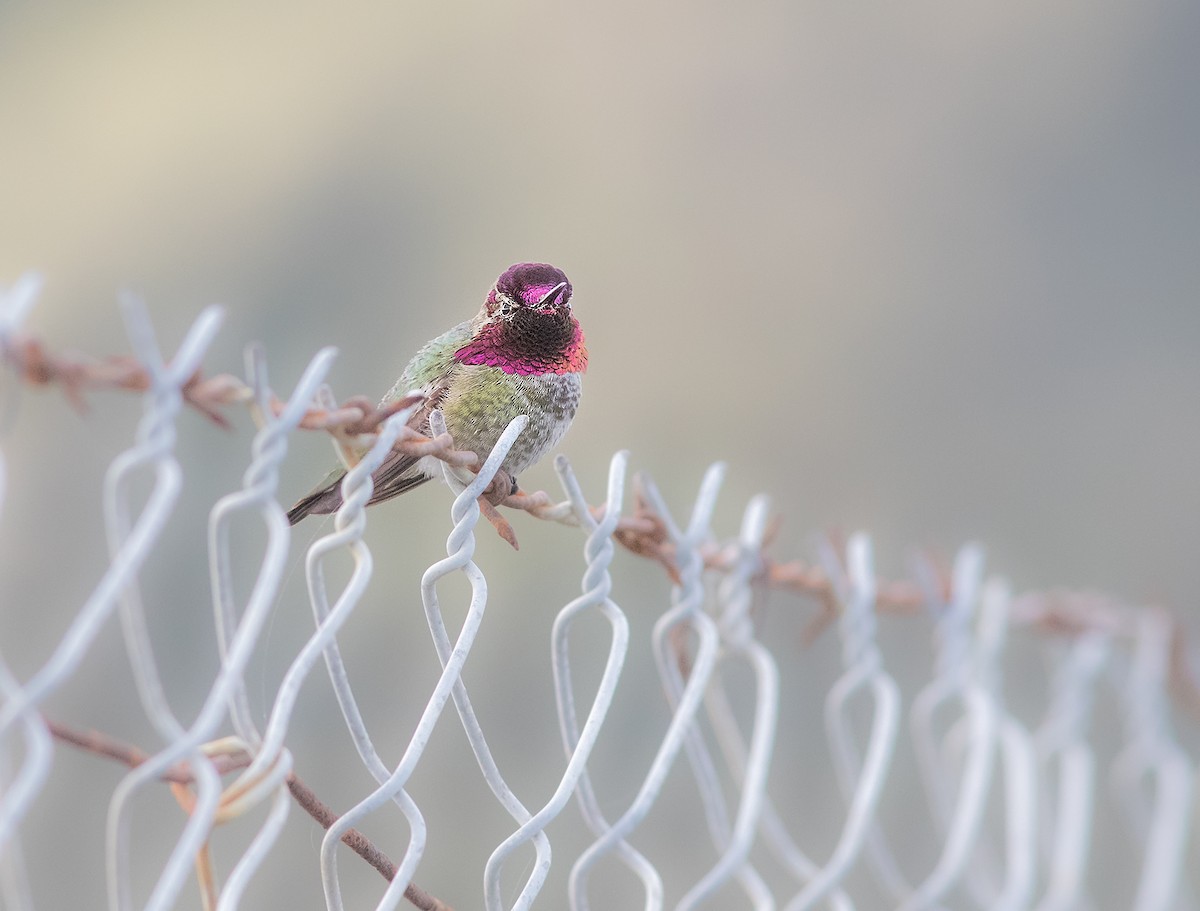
(972, 753)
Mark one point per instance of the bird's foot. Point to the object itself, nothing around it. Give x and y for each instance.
(502, 487)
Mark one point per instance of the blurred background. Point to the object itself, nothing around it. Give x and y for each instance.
(928, 270)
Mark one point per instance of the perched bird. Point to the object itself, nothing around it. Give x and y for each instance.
(523, 353)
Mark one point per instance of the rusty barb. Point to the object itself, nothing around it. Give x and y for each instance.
(354, 422)
(78, 374)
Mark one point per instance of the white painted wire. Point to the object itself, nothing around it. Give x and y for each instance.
(708, 629)
(1062, 744)
(692, 594)
(131, 543)
(597, 551)
(1018, 762)
(258, 496)
(14, 878)
(156, 453)
(18, 790)
(683, 615)
(961, 812)
(861, 780)
(156, 439)
(737, 634)
(597, 583)
(1160, 822)
(460, 546)
(236, 638)
(736, 594)
(272, 760)
(318, 596)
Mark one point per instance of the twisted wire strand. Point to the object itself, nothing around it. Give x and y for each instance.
(1152, 774)
(861, 780)
(774, 830)
(14, 877)
(19, 789)
(236, 639)
(737, 594)
(960, 815)
(737, 633)
(564, 690)
(1152, 753)
(464, 533)
(596, 586)
(259, 485)
(952, 680)
(686, 610)
(156, 433)
(347, 704)
(339, 678)
(1018, 763)
(1072, 694)
(271, 762)
(1062, 744)
(856, 589)
(130, 544)
(156, 436)
(693, 593)
(1145, 713)
(689, 549)
(1013, 744)
(459, 549)
(266, 776)
(669, 657)
(156, 439)
(349, 525)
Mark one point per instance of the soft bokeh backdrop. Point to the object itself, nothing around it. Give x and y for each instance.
(925, 269)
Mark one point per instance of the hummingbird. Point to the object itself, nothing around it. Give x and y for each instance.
(522, 353)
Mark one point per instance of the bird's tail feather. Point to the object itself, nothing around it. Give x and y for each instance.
(390, 481)
(321, 502)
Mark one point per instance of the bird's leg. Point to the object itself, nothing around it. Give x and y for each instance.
(503, 485)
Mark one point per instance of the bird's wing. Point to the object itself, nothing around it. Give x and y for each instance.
(434, 365)
(398, 471)
(396, 475)
(430, 371)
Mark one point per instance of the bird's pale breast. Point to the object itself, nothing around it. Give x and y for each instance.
(483, 400)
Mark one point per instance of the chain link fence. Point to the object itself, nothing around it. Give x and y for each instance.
(940, 793)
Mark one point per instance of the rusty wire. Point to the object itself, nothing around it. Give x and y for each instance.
(363, 432)
(354, 421)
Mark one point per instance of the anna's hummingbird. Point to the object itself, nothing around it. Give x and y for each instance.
(523, 353)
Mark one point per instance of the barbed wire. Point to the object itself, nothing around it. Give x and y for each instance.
(708, 628)
(354, 422)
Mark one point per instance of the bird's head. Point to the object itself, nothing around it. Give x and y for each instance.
(537, 287)
(526, 326)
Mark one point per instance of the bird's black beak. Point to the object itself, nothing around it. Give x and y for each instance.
(551, 298)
